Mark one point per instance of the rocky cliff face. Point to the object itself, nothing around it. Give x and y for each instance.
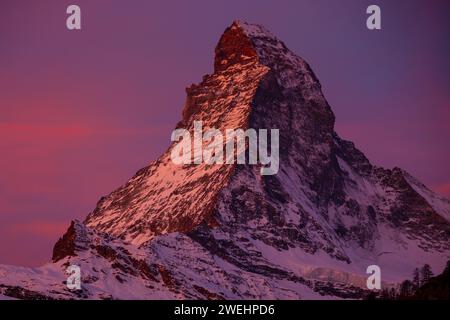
(225, 231)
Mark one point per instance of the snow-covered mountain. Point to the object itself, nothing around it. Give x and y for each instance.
(228, 232)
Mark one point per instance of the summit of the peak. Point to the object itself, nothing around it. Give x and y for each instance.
(243, 41)
(233, 47)
(252, 29)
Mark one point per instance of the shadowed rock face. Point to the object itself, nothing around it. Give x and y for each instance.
(66, 245)
(225, 231)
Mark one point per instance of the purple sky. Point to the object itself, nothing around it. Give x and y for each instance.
(81, 111)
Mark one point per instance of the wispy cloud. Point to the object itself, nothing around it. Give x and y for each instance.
(47, 229)
(443, 189)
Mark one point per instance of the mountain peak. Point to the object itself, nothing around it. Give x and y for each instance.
(243, 41)
(234, 47)
(226, 231)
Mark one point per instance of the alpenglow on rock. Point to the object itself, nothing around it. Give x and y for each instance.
(227, 232)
